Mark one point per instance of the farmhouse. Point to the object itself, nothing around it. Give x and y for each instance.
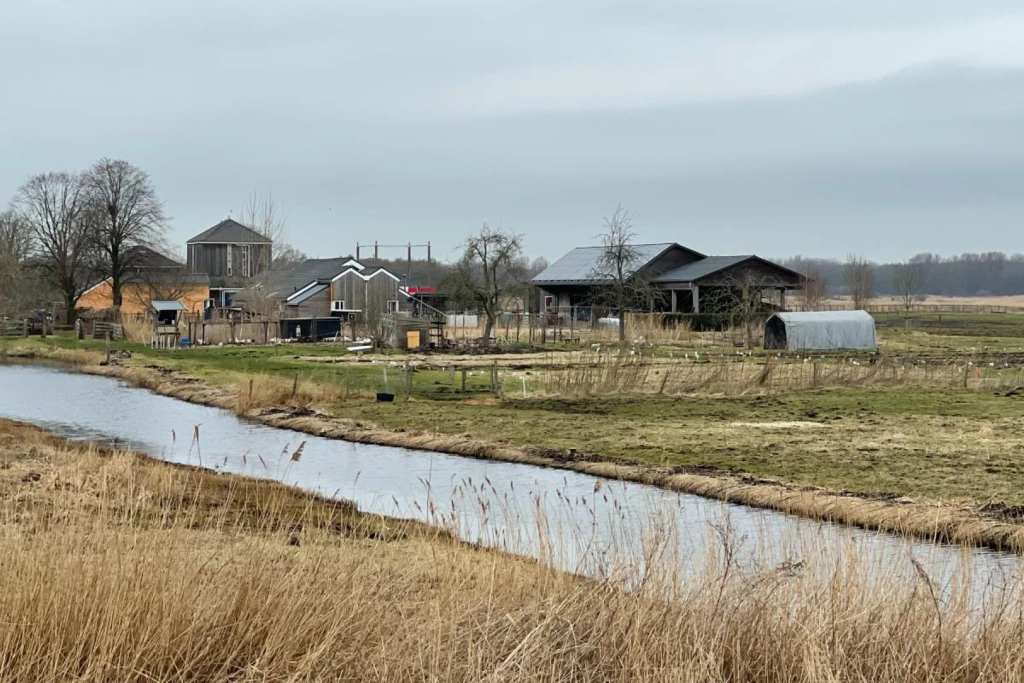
(151, 277)
(319, 297)
(677, 279)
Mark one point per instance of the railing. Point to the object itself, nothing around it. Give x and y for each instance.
(14, 328)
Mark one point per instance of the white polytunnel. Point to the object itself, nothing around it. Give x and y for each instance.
(821, 331)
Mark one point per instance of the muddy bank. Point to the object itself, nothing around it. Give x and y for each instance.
(990, 526)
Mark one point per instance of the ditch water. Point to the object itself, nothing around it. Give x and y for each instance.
(573, 521)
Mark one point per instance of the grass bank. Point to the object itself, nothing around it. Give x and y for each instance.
(121, 568)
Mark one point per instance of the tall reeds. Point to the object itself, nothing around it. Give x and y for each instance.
(117, 568)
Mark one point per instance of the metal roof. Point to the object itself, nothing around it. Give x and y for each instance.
(168, 306)
(229, 231)
(692, 272)
(305, 295)
(821, 331)
(580, 265)
(861, 317)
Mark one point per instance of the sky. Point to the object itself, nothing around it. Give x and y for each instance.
(813, 127)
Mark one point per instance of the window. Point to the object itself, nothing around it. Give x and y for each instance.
(393, 306)
(243, 265)
(549, 303)
(230, 269)
(338, 305)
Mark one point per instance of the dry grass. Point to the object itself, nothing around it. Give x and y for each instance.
(137, 329)
(630, 372)
(115, 569)
(265, 391)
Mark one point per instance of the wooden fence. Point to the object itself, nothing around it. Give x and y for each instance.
(14, 328)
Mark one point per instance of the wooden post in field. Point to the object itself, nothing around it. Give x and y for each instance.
(295, 385)
(463, 380)
(407, 379)
(24, 329)
(107, 344)
(452, 369)
(494, 378)
(250, 392)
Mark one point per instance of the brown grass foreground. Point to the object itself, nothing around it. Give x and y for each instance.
(119, 568)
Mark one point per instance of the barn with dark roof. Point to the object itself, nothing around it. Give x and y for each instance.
(677, 279)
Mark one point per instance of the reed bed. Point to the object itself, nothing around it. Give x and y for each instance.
(265, 391)
(625, 372)
(119, 568)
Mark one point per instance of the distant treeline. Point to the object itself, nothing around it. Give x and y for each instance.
(987, 274)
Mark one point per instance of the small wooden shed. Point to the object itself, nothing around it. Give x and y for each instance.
(166, 316)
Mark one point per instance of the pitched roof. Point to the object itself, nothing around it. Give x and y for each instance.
(692, 272)
(287, 282)
(141, 256)
(580, 265)
(308, 293)
(168, 306)
(229, 231)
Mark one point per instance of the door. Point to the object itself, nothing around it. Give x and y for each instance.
(412, 339)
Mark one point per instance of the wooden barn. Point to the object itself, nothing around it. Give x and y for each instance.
(229, 253)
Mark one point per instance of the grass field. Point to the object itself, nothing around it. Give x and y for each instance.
(121, 568)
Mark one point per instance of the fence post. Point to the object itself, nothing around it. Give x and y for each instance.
(407, 380)
(463, 380)
(107, 344)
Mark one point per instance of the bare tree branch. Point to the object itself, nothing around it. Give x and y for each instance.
(623, 287)
(907, 279)
(490, 270)
(130, 215)
(860, 280)
(813, 287)
(263, 215)
(63, 224)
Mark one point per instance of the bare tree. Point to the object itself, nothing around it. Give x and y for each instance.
(623, 287)
(129, 215)
(739, 298)
(261, 299)
(813, 287)
(907, 279)
(376, 321)
(63, 227)
(16, 285)
(286, 256)
(488, 272)
(263, 215)
(860, 280)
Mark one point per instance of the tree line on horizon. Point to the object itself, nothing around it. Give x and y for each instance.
(969, 274)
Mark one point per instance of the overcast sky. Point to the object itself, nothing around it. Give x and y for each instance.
(817, 127)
